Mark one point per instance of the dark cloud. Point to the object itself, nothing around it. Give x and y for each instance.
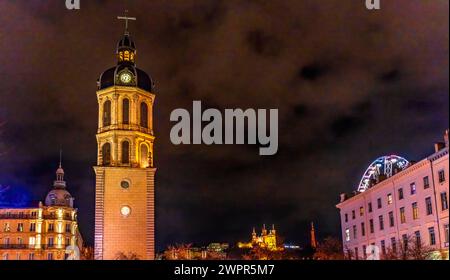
(350, 85)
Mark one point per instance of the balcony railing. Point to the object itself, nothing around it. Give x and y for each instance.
(125, 127)
(17, 216)
(26, 246)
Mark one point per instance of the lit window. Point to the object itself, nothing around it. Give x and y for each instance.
(347, 235)
(125, 211)
(20, 227)
(33, 227)
(32, 241)
(415, 209)
(126, 56)
(389, 199)
(413, 188)
(402, 215)
(361, 211)
(7, 227)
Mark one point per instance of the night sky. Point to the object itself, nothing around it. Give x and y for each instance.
(350, 85)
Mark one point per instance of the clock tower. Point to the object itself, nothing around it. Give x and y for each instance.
(125, 172)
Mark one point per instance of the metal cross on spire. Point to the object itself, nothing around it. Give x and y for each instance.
(126, 18)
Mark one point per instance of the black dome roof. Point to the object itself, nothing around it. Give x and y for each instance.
(126, 42)
(108, 78)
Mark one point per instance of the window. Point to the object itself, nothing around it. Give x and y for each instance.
(50, 256)
(125, 152)
(364, 251)
(33, 227)
(444, 201)
(372, 228)
(67, 241)
(33, 214)
(432, 236)
(107, 113)
(389, 199)
(356, 253)
(144, 156)
(361, 211)
(353, 215)
(370, 207)
(6, 227)
(31, 257)
(400, 194)
(144, 115)
(355, 232)
(391, 219)
(383, 247)
(418, 239)
(363, 229)
(126, 111)
(6, 241)
(20, 227)
(106, 154)
(379, 203)
(346, 217)
(31, 242)
(381, 220)
(415, 211)
(347, 234)
(446, 232)
(441, 176)
(426, 182)
(68, 228)
(5, 257)
(394, 245)
(51, 242)
(405, 241)
(402, 215)
(413, 188)
(51, 228)
(429, 206)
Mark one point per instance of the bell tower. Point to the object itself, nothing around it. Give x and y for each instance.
(125, 172)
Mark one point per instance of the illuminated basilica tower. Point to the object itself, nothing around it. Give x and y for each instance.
(124, 200)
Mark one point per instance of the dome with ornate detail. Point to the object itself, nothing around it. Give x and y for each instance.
(59, 196)
(126, 73)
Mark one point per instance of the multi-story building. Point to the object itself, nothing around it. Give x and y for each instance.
(44, 231)
(398, 201)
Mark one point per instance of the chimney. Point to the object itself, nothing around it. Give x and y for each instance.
(343, 197)
(446, 138)
(439, 146)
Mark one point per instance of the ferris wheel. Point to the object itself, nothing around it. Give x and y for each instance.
(385, 165)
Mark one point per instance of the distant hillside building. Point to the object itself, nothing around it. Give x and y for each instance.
(398, 201)
(267, 240)
(43, 231)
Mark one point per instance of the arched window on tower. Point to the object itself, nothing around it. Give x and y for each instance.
(125, 152)
(107, 113)
(126, 111)
(106, 154)
(144, 160)
(144, 115)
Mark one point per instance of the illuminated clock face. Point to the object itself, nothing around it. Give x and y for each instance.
(125, 78)
(125, 211)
